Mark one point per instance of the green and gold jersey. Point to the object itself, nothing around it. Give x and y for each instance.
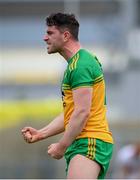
(84, 70)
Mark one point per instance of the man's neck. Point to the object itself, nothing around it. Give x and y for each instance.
(70, 49)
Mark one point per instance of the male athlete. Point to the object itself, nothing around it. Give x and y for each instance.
(87, 142)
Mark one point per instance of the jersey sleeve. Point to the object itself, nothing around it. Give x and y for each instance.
(86, 75)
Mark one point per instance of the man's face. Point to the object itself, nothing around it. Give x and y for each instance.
(54, 39)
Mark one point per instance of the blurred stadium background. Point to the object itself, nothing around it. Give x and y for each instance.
(30, 78)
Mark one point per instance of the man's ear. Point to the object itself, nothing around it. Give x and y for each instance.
(67, 36)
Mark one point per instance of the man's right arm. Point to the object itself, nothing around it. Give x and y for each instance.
(55, 127)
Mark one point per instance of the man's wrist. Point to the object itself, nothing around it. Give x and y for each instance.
(64, 144)
(42, 135)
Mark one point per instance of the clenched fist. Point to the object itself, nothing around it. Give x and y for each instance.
(56, 150)
(31, 135)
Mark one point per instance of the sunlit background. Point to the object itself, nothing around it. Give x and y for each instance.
(30, 79)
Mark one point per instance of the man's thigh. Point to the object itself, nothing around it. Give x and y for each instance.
(81, 167)
(88, 151)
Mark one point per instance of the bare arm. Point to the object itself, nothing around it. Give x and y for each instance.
(55, 127)
(82, 104)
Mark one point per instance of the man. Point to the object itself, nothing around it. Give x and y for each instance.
(86, 143)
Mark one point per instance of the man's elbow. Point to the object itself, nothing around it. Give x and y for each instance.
(84, 112)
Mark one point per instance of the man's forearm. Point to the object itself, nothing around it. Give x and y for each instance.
(53, 128)
(74, 128)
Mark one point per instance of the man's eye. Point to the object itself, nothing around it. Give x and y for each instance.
(49, 33)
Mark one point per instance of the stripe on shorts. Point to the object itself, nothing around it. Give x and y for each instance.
(91, 148)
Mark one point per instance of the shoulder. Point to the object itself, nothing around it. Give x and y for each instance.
(85, 56)
(86, 59)
(83, 59)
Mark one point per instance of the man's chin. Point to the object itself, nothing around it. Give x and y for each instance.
(51, 52)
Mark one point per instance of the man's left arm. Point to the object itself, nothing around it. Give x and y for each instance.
(82, 103)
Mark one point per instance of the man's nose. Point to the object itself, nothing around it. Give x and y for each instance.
(45, 38)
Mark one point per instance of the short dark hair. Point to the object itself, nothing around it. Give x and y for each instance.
(62, 21)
